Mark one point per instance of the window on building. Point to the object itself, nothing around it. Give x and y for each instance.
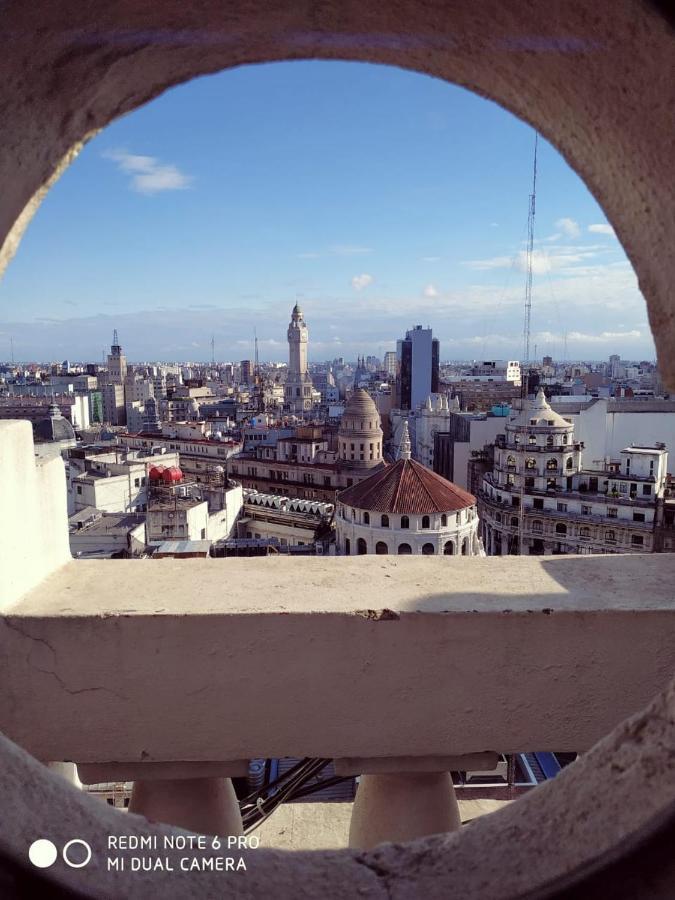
(585, 532)
(326, 480)
(428, 549)
(348, 547)
(610, 537)
(646, 489)
(449, 549)
(514, 521)
(529, 482)
(361, 547)
(425, 521)
(537, 526)
(381, 548)
(384, 521)
(637, 540)
(549, 440)
(515, 501)
(564, 438)
(538, 503)
(405, 523)
(203, 533)
(79, 489)
(511, 461)
(552, 465)
(444, 520)
(585, 510)
(366, 518)
(612, 512)
(532, 439)
(530, 463)
(404, 549)
(560, 528)
(638, 517)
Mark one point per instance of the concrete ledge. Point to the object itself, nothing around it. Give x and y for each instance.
(97, 773)
(347, 657)
(475, 762)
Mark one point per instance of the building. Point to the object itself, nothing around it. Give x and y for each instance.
(406, 509)
(110, 480)
(390, 364)
(418, 366)
(539, 499)
(97, 535)
(291, 521)
(114, 410)
(117, 362)
(298, 388)
(181, 509)
(304, 466)
(199, 450)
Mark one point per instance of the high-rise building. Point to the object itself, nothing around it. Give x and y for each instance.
(117, 362)
(418, 361)
(246, 371)
(298, 388)
(390, 363)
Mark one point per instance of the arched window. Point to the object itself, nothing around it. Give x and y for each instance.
(551, 465)
(366, 518)
(560, 528)
(610, 536)
(361, 547)
(584, 532)
(428, 549)
(498, 517)
(569, 464)
(444, 520)
(510, 460)
(449, 548)
(549, 440)
(405, 524)
(564, 438)
(530, 463)
(425, 521)
(514, 521)
(532, 439)
(353, 515)
(348, 547)
(404, 549)
(537, 526)
(384, 521)
(381, 548)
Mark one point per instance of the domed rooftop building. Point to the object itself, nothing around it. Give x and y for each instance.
(360, 433)
(407, 509)
(55, 427)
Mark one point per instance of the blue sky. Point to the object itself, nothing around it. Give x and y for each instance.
(380, 198)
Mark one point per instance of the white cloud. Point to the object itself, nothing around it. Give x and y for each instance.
(603, 228)
(308, 255)
(430, 258)
(359, 282)
(569, 227)
(431, 291)
(348, 250)
(148, 174)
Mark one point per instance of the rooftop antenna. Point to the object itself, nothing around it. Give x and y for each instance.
(213, 349)
(528, 278)
(115, 340)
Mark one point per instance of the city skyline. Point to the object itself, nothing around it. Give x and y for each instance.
(397, 200)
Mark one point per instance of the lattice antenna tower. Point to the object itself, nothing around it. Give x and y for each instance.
(529, 261)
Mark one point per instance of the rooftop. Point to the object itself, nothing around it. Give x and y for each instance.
(407, 487)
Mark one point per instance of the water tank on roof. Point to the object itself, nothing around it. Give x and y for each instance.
(172, 475)
(156, 473)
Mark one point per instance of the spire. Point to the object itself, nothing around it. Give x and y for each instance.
(404, 447)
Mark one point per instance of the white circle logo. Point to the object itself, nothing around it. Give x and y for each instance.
(42, 853)
(76, 865)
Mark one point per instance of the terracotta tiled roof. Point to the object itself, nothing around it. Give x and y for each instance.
(406, 487)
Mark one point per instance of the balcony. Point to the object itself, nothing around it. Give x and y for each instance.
(296, 659)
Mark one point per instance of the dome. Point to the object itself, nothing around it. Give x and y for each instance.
(538, 414)
(55, 427)
(360, 408)
(409, 488)
(156, 473)
(171, 475)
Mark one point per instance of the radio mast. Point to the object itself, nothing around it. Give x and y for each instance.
(528, 270)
